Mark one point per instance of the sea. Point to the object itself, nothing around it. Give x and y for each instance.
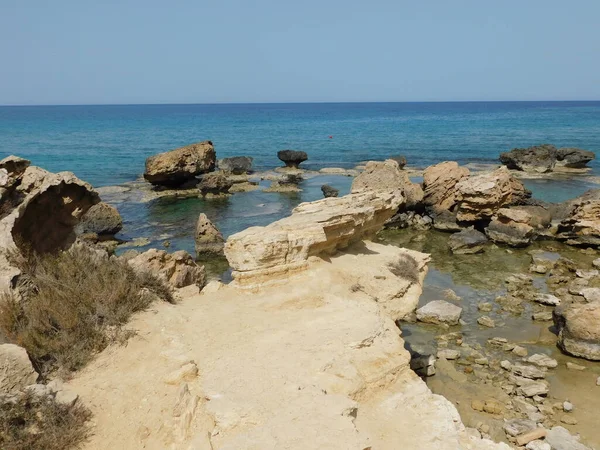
(106, 145)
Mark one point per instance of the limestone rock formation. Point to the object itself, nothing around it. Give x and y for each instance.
(292, 158)
(467, 241)
(215, 184)
(175, 167)
(178, 268)
(386, 176)
(236, 165)
(11, 169)
(573, 158)
(329, 191)
(288, 183)
(209, 240)
(582, 223)
(438, 312)
(481, 196)
(439, 184)
(579, 330)
(541, 158)
(400, 159)
(39, 211)
(512, 226)
(323, 226)
(16, 370)
(102, 219)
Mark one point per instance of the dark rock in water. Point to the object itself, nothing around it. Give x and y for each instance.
(467, 241)
(237, 165)
(329, 191)
(214, 184)
(444, 220)
(292, 158)
(578, 331)
(177, 166)
(541, 158)
(573, 158)
(101, 219)
(400, 159)
(209, 240)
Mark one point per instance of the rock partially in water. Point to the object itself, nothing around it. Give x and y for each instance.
(102, 219)
(573, 158)
(178, 269)
(517, 226)
(215, 184)
(467, 241)
(209, 240)
(542, 360)
(540, 158)
(444, 220)
(439, 312)
(175, 167)
(579, 330)
(236, 165)
(329, 191)
(292, 158)
(439, 184)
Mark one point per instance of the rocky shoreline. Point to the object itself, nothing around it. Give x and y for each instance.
(319, 277)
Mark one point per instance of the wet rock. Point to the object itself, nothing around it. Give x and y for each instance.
(530, 372)
(542, 360)
(484, 307)
(573, 366)
(542, 316)
(573, 158)
(532, 388)
(541, 158)
(423, 365)
(519, 351)
(215, 184)
(481, 196)
(16, 370)
(178, 269)
(559, 438)
(467, 241)
(505, 364)
(175, 167)
(448, 354)
(486, 321)
(439, 184)
(439, 312)
(511, 226)
(292, 158)
(444, 220)
(102, 219)
(578, 330)
(329, 191)
(209, 240)
(236, 165)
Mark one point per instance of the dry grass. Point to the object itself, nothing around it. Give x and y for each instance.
(39, 423)
(74, 304)
(405, 267)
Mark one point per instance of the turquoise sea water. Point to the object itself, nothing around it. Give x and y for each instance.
(107, 145)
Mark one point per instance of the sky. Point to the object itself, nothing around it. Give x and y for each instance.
(247, 51)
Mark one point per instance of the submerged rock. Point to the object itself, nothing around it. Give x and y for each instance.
(329, 191)
(215, 184)
(178, 269)
(209, 240)
(175, 167)
(439, 312)
(579, 330)
(102, 219)
(467, 241)
(236, 165)
(439, 184)
(16, 372)
(292, 158)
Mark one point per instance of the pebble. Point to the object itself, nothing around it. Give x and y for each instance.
(569, 420)
(567, 406)
(486, 321)
(519, 351)
(573, 366)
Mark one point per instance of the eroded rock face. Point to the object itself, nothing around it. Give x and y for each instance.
(237, 165)
(582, 223)
(481, 196)
(439, 184)
(386, 176)
(541, 158)
(292, 158)
(178, 269)
(209, 240)
(579, 330)
(102, 219)
(16, 370)
(573, 158)
(175, 167)
(512, 226)
(313, 228)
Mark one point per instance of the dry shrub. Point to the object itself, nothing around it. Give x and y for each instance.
(74, 304)
(39, 423)
(405, 267)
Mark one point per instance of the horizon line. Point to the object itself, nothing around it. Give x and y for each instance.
(291, 103)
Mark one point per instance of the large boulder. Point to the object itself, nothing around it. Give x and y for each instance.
(323, 226)
(541, 158)
(178, 269)
(439, 184)
(481, 196)
(209, 240)
(578, 328)
(581, 225)
(16, 370)
(467, 241)
(386, 176)
(573, 158)
(292, 158)
(517, 226)
(215, 184)
(236, 165)
(102, 219)
(175, 167)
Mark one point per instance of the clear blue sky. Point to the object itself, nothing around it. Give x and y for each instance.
(198, 51)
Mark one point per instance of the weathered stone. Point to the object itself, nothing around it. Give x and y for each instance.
(542, 360)
(236, 165)
(439, 184)
(567, 406)
(533, 388)
(448, 354)
(467, 241)
(16, 370)
(541, 158)
(102, 219)
(531, 372)
(538, 445)
(581, 225)
(444, 220)
(559, 438)
(516, 226)
(516, 427)
(68, 398)
(481, 196)
(178, 269)
(542, 316)
(519, 351)
(11, 169)
(400, 159)
(175, 167)
(525, 438)
(292, 158)
(486, 321)
(578, 330)
(215, 184)
(573, 158)
(438, 312)
(329, 191)
(547, 299)
(208, 239)
(573, 366)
